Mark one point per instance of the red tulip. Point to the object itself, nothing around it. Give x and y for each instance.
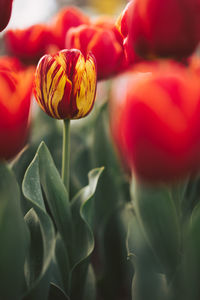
(102, 42)
(107, 22)
(29, 44)
(5, 12)
(65, 19)
(155, 121)
(15, 97)
(65, 84)
(122, 26)
(162, 28)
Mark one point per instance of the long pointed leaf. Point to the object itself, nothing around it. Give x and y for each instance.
(13, 237)
(40, 224)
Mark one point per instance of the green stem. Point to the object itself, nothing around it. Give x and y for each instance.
(66, 154)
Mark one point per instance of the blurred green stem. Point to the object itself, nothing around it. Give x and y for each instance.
(66, 154)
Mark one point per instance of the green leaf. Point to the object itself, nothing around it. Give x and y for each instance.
(83, 282)
(41, 228)
(44, 173)
(137, 246)
(56, 195)
(80, 160)
(157, 216)
(112, 189)
(90, 285)
(62, 262)
(56, 293)
(13, 237)
(190, 197)
(147, 284)
(34, 259)
(190, 271)
(82, 214)
(117, 272)
(73, 220)
(31, 185)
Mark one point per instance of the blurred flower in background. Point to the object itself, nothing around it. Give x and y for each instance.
(15, 100)
(63, 21)
(29, 44)
(102, 42)
(162, 28)
(155, 121)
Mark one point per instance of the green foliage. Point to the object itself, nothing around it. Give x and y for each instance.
(45, 191)
(111, 218)
(41, 250)
(13, 237)
(148, 282)
(57, 293)
(77, 248)
(157, 215)
(189, 273)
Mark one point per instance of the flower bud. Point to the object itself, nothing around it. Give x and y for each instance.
(65, 84)
(155, 121)
(5, 12)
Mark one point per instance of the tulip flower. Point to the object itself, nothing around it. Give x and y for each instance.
(65, 84)
(122, 26)
(102, 42)
(15, 97)
(155, 121)
(67, 18)
(107, 22)
(5, 12)
(161, 28)
(29, 44)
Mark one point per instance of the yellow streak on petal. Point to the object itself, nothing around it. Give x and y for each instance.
(53, 89)
(59, 92)
(60, 58)
(84, 85)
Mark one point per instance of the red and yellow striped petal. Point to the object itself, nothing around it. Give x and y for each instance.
(85, 85)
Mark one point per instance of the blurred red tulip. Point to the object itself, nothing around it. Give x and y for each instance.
(155, 121)
(15, 97)
(161, 28)
(10, 63)
(102, 42)
(107, 22)
(29, 44)
(122, 28)
(5, 12)
(67, 18)
(65, 84)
